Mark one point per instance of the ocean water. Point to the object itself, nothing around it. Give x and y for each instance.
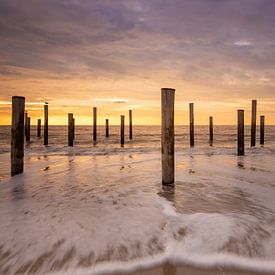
(99, 209)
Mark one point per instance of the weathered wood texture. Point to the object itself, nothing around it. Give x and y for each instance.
(46, 121)
(94, 124)
(240, 132)
(130, 124)
(107, 128)
(262, 129)
(25, 122)
(191, 118)
(39, 128)
(74, 128)
(167, 135)
(253, 122)
(17, 135)
(122, 130)
(28, 133)
(211, 133)
(70, 130)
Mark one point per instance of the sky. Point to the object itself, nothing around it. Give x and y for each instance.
(118, 54)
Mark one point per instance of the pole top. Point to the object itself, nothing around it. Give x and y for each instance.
(170, 89)
(16, 96)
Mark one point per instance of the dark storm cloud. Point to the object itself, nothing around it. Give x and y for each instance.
(205, 41)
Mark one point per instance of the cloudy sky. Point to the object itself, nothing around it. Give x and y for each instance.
(117, 54)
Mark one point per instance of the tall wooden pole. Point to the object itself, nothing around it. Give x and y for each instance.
(28, 134)
(46, 113)
(211, 131)
(253, 122)
(70, 130)
(94, 124)
(25, 121)
(39, 128)
(130, 124)
(74, 128)
(240, 132)
(17, 135)
(191, 118)
(167, 135)
(107, 128)
(122, 127)
(262, 128)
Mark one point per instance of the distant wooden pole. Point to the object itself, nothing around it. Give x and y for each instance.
(74, 128)
(211, 131)
(167, 135)
(46, 113)
(17, 135)
(240, 132)
(191, 118)
(94, 123)
(253, 122)
(28, 134)
(122, 128)
(25, 121)
(39, 128)
(107, 128)
(262, 128)
(70, 130)
(130, 124)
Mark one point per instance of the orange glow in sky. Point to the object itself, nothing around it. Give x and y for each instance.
(117, 55)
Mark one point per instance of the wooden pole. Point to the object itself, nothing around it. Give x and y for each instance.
(167, 135)
(253, 122)
(94, 124)
(25, 121)
(262, 128)
(240, 132)
(130, 124)
(74, 128)
(122, 132)
(211, 131)
(39, 128)
(17, 135)
(191, 117)
(46, 113)
(107, 128)
(70, 130)
(28, 134)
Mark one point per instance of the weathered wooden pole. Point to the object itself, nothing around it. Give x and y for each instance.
(191, 118)
(39, 128)
(167, 135)
(211, 131)
(25, 121)
(240, 132)
(70, 130)
(17, 135)
(46, 113)
(107, 128)
(28, 134)
(74, 128)
(262, 128)
(122, 128)
(130, 124)
(253, 122)
(94, 124)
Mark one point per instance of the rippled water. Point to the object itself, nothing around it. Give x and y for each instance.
(101, 208)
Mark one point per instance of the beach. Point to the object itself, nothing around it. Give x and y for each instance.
(102, 209)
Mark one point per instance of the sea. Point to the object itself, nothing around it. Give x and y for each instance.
(100, 208)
